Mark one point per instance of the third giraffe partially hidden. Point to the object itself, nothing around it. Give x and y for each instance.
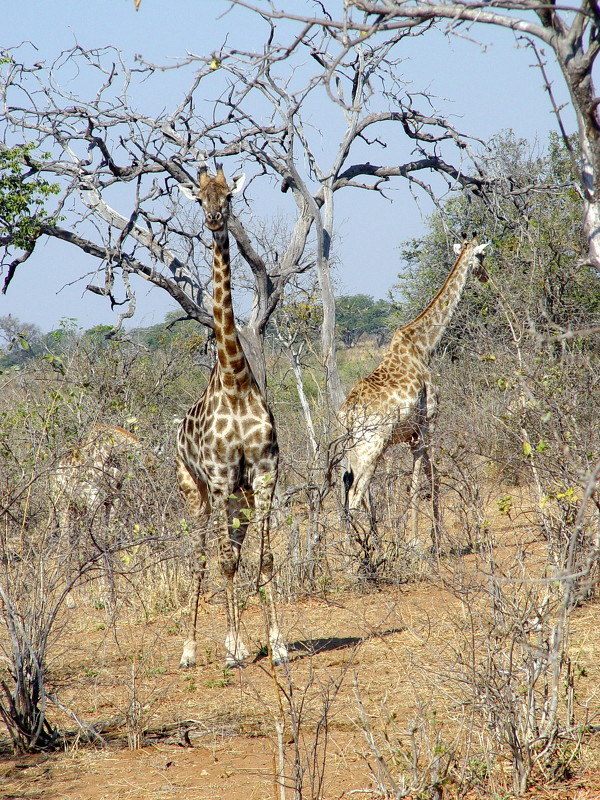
(397, 402)
(227, 453)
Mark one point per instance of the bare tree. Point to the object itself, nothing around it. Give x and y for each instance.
(117, 166)
(571, 33)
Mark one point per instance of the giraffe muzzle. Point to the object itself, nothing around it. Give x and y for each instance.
(215, 222)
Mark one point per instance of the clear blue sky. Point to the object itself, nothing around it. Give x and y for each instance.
(487, 89)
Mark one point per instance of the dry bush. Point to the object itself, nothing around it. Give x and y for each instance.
(47, 409)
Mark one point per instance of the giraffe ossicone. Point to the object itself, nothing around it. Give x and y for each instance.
(397, 403)
(227, 452)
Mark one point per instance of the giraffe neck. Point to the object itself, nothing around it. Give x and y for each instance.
(428, 328)
(234, 368)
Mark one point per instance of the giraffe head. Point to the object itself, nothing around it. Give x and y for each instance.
(474, 252)
(213, 193)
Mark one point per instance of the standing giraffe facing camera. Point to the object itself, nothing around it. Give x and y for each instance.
(227, 453)
(397, 403)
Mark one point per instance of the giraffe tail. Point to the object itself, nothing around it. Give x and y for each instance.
(348, 481)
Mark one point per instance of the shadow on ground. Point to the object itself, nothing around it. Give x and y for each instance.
(310, 647)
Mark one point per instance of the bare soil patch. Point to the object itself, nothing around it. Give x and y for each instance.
(391, 659)
(206, 733)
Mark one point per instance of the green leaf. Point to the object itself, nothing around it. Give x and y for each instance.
(505, 504)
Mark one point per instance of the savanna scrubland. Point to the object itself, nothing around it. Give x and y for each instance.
(470, 674)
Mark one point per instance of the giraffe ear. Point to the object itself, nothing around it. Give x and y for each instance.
(456, 247)
(237, 183)
(188, 189)
(481, 247)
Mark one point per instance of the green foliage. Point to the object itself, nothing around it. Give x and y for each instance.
(76, 378)
(173, 331)
(19, 342)
(359, 314)
(354, 365)
(23, 193)
(298, 318)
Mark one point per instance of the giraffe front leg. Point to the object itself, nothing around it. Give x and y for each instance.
(236, 651)
(188, 657)
(358, 503)
(263, 493)
(417, 448)
(279, 651)
(362, 528)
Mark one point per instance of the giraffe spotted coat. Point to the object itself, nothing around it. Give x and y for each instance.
(227, 453)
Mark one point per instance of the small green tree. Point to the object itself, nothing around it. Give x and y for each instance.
(358, 314)
(19, 341)
(23, 194)
(532, 216)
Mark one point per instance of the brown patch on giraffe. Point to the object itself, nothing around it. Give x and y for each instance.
(220, 425)
(190, 427)
(238, 364)
(253, 439)
(232, 349)
(253, 406)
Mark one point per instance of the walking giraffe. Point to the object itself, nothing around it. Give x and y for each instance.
(227, 452)
(397, 401)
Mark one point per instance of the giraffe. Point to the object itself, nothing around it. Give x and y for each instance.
(397, 402)
(227, 452)
(86, 486)
(89, 477)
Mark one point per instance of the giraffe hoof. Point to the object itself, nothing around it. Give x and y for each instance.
(279, 654)
(188, 657)
(236, 651)
(235, 665)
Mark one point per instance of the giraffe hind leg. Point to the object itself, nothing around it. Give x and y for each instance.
(433, 496)
(263, 496)
(430, 413)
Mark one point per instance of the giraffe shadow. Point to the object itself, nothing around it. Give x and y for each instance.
(305, 648)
